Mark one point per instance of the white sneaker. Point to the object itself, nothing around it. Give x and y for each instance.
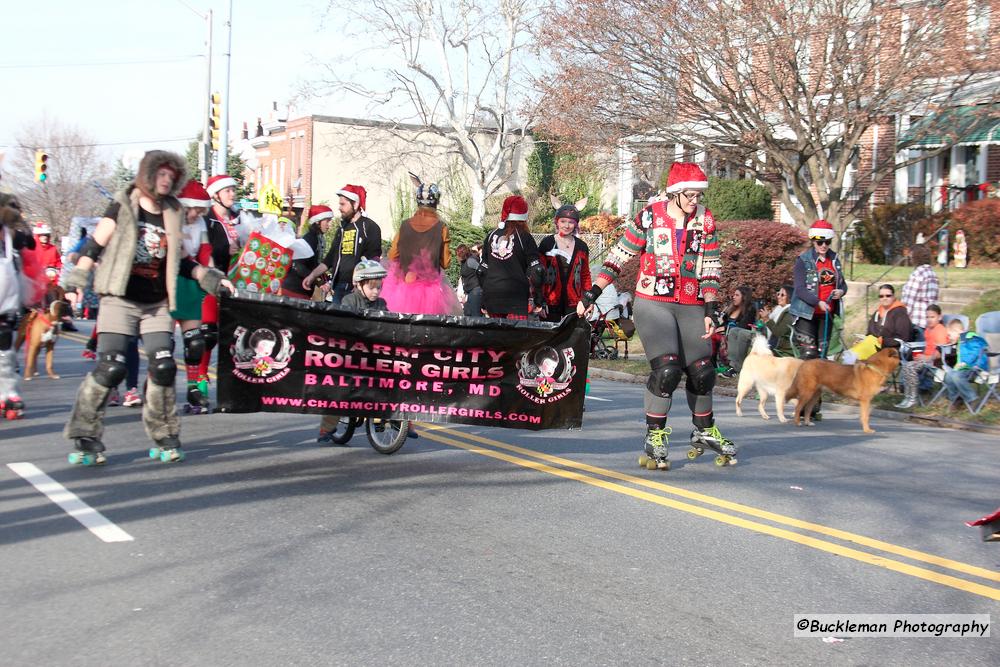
(906, 403)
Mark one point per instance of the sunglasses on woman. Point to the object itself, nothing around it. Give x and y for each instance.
(821, 241)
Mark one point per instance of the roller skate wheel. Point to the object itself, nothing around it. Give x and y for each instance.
(75, 458)
(11, 415)
(643, 460)
(693, 454)
(171, 456)
(154, 452)
(721, 460)
(650, 464)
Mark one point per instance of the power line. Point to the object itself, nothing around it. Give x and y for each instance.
(102, 63)
(106, 143)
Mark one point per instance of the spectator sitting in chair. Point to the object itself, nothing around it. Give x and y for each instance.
(736, 333)
(935, 336)
(778, 322)
(889, 325)
(971, 358)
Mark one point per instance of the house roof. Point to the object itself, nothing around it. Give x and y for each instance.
(968, 125)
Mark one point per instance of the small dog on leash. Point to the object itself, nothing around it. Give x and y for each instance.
(40, 328)
(769, 375)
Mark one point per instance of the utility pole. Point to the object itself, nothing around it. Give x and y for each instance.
(221, 157)
(205, 153)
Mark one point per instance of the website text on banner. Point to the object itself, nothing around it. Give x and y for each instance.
(289, 355)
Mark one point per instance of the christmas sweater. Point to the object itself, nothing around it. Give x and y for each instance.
(679, 262)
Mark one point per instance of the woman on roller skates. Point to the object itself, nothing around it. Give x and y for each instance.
(419, 254)
(138, 249)
(14, 236)
(566, 260)
(511, 270)
(196, 201)
(675, 310)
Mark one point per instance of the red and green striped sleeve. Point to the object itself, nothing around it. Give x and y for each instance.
(711, 265)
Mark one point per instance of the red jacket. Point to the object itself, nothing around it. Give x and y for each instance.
(578, 281)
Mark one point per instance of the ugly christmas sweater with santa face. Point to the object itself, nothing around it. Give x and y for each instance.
(679, 261)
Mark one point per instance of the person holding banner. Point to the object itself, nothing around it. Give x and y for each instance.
(675, 309)
(357, 238)
(138, 248)
(511, 269)
(420, 252)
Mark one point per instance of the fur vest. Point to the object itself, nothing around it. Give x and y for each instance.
(115, 266)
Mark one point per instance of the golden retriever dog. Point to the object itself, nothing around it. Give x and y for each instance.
(40, 328)
(860, 381)
(769, 375)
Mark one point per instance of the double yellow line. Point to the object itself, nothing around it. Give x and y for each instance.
(84, 339)
(667, 496)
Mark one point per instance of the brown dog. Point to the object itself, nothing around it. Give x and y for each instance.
(41, 328)
(860, 381)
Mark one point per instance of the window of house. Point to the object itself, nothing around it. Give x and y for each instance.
(971, 164)
(915, 171)
(978, 25)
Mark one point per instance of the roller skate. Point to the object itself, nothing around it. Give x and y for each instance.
(197, 402)
(167, 450)
(711, 437)
(12, 408)
(89, 452)
(654, 456)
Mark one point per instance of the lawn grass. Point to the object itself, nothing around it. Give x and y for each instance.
(973, 277)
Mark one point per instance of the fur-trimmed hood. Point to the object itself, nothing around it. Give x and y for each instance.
(146, 174)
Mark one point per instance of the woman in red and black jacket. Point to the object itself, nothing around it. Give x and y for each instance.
(566, 260)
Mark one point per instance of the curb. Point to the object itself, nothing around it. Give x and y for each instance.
(620, 376)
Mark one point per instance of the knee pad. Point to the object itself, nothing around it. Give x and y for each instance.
(6, 335)
(665, 376)
(701, 377)
(110, 369)
(194, 346)
(162, 368)
(210, 332)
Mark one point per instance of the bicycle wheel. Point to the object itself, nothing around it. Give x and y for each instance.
(386, 435)
(344, 430)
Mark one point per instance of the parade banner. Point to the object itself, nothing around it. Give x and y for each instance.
(278, 354)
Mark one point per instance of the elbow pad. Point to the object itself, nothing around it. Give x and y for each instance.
(536, 274)
(92, 249)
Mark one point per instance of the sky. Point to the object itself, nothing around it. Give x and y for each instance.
(57, 63)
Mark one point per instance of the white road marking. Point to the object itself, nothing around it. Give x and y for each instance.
(91, 519)
(595, 398)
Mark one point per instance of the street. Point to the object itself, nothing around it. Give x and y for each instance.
(490, 546)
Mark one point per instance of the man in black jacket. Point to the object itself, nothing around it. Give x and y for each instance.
(359, 237)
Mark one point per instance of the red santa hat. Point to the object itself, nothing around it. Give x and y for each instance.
(514, 208)
(194, 195)
(355, 193)
(41, 229)
(319, 212)
(685, 176)
(821, 229)
(220, 182)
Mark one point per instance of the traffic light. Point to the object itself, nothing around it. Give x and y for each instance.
(215, 120)
(41, 166)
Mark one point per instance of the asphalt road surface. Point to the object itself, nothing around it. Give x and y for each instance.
(479, 546)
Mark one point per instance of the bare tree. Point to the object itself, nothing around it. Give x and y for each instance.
(786, 90)
(74, 166)
(451, 85)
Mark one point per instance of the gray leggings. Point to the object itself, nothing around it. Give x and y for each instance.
(673, 328)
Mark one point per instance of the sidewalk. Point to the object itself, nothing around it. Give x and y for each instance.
(828, 406)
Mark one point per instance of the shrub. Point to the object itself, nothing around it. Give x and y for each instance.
(759, 254)
(978, 220)
(742, 199)
(888, 231)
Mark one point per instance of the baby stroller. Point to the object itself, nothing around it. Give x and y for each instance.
(617, 329)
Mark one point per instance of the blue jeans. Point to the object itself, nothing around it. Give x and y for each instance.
(339, 291)
(959, 383)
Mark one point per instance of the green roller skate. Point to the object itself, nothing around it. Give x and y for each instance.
(711, 437)
(89, 452)
(167, 450)
(654, 455)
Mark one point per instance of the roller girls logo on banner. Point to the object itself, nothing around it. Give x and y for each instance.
(290, 355)
(544, 375)
(262, 266)
(261, 356)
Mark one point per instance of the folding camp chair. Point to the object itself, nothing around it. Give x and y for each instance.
(988, 326)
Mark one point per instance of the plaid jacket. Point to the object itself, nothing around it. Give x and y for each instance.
(920, 291)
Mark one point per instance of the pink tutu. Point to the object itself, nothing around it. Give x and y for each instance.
(427, 293)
